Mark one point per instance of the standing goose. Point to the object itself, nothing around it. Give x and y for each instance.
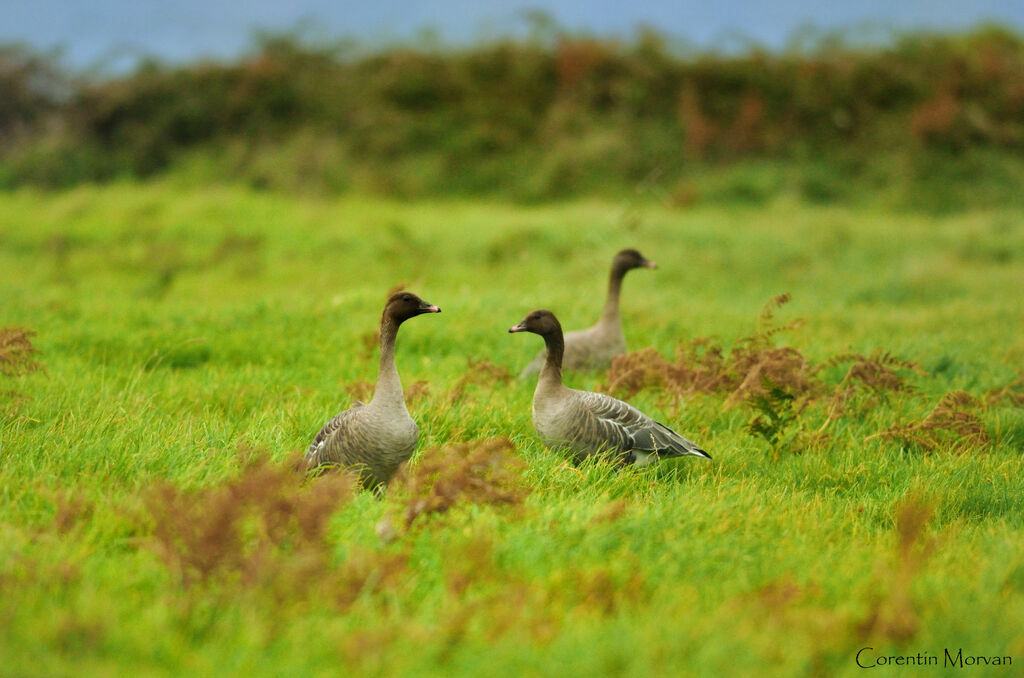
(589, 423)
(376, 437)
(594, 347)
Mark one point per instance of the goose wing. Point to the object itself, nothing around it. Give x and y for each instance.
(315, 451)
(626, 428)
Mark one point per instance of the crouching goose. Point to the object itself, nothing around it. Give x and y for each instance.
(594, 347)
(373, 439)
(593, 423)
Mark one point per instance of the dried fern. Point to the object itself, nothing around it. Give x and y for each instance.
(16, 351)
(483, 472)
(893, 613)
(877, 372)
(778, 383)
(257, 526)
(1008, 393)
(766, 327)
(477, 373)
(703, 365)
(950, 425)
(785, 366)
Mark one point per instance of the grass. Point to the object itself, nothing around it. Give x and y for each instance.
(192, 340)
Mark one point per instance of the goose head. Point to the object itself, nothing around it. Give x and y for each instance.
(628, 259)
(541, 321)
(404, 305)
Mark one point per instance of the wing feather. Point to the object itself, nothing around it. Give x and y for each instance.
(625, 428)
(314, 453)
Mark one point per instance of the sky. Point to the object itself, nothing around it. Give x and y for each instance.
(106, 33)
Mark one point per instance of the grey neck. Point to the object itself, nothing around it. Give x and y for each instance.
(389, 386)
(610, 314)
(551, 373)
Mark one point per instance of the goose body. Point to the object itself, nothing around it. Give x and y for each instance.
(594, 347)
(588, 423)
(374, 438)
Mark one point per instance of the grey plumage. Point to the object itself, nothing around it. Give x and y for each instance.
(375, 438)
(594, 347)
(589, 423)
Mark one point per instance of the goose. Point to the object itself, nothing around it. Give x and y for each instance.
(374, 438)
(594, 347)
(589, 423)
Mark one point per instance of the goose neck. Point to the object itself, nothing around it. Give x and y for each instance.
(610, 314)
(389, 386)
(552, 370)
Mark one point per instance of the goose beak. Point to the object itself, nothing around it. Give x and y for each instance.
(517, 328)
(649, 264)
(429, 308)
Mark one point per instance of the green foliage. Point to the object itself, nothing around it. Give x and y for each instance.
(775, 414)
(927, 122)
(33, 90)
(194, 339)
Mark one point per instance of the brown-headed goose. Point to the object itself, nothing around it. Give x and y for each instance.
(593, 423)
(374, 438)
(594, 347)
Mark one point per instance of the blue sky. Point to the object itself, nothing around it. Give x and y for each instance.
(92, 32)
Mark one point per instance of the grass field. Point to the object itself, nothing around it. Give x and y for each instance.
(194, 339)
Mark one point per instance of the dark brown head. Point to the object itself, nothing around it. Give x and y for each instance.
(404, 305)
(541, 321)
(628, 259)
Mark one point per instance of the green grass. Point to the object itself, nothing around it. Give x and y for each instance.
(186, 332)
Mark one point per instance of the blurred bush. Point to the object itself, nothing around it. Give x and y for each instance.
(33, 89)
(540, 118)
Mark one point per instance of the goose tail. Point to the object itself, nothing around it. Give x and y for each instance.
(671, 444)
